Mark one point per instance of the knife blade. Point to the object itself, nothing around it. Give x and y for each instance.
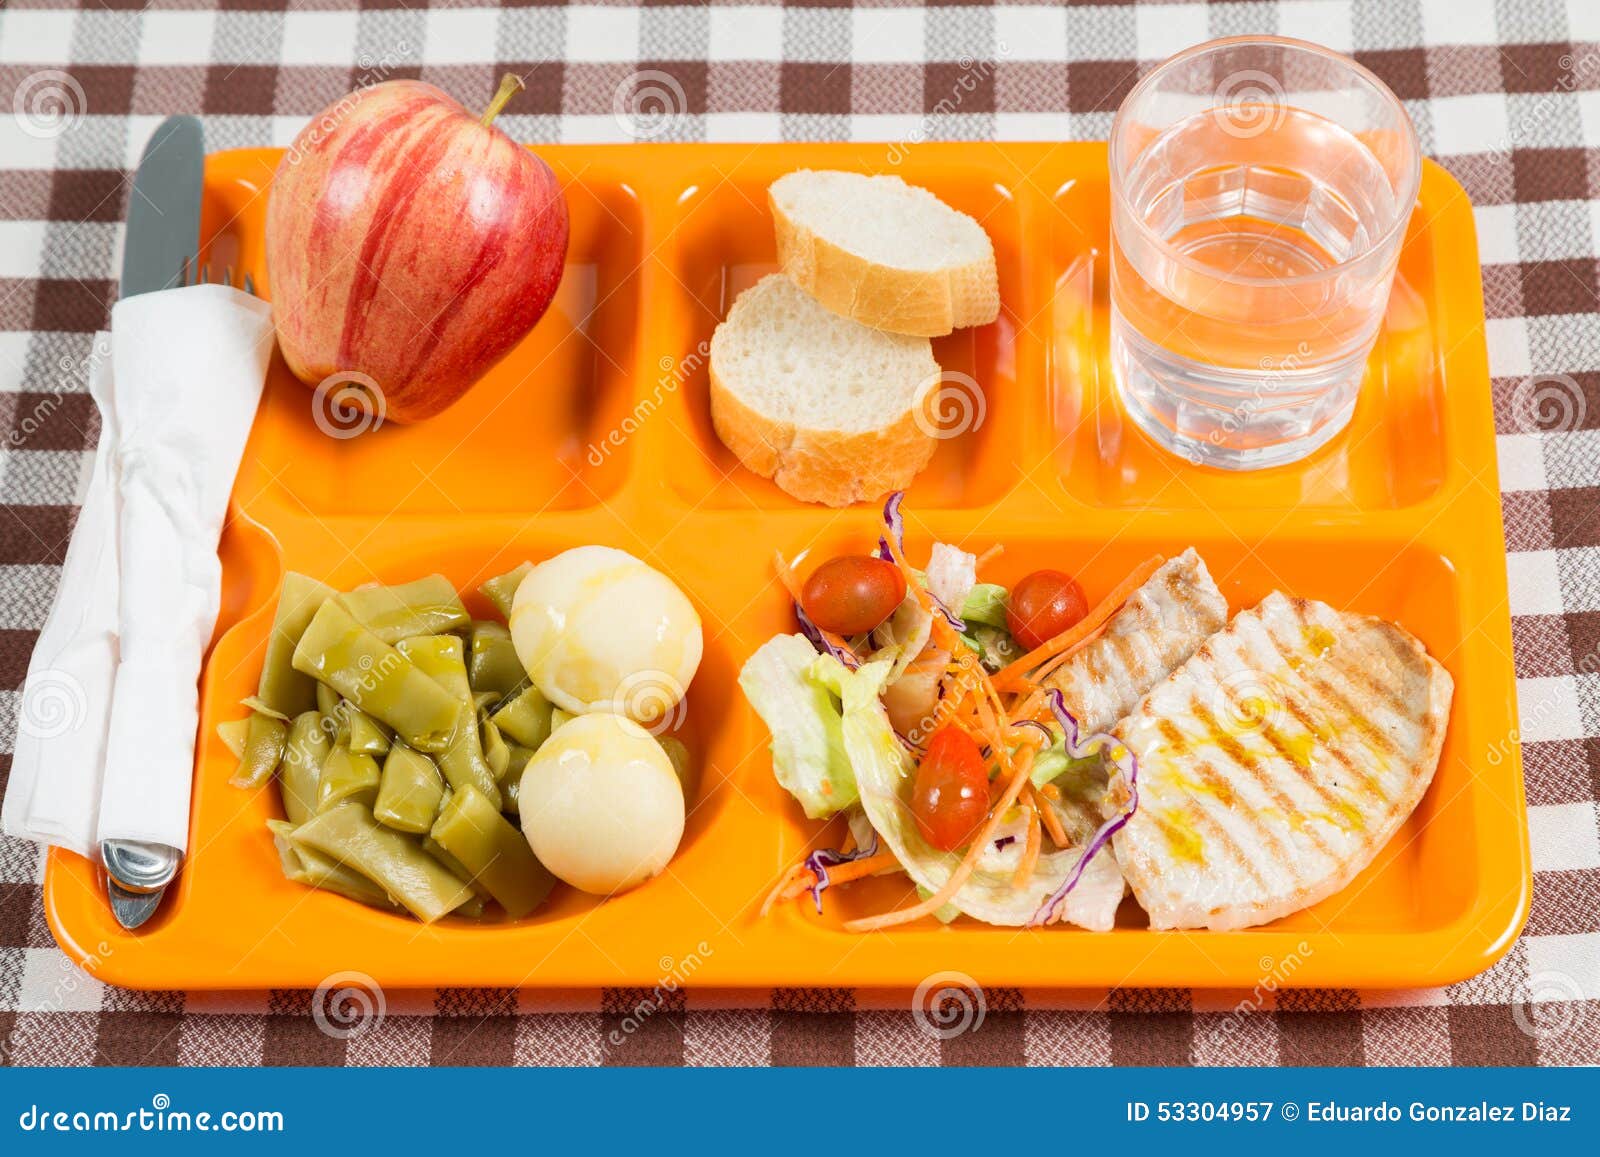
(163, 236)
(164, 208)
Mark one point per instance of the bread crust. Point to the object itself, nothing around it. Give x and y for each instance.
(833, 467)
(918, 302)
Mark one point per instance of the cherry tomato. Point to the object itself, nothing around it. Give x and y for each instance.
(852, 594)
(951, 795)
(1044, 604)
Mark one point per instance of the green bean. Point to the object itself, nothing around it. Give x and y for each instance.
(367, 736)
(282, 687)
(495, 752)
(232, 733)
(428, 606)
(316, 870)
(494, 665)
(263, 748)
(681, 763)
(477, 908)
(410, 792)
(472, 830)
(484, 700)
(347, 777)
(526, 718)
(377, 678)
(502, 589)
(511, 792)
(328, 701)
(392, 860)
(301, 770)
(558, 717)
(461, 759)
(454, 867)
(256, 703)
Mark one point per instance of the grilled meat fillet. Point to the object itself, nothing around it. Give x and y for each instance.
(1160, 626)
(1276, 762)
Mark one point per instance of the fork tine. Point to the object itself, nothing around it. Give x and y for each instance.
(249, 285)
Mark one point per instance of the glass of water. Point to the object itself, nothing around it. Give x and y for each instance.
(1260, 189)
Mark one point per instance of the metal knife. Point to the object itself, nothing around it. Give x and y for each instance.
(163, 237)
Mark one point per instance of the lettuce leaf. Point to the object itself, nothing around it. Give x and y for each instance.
(808, 754)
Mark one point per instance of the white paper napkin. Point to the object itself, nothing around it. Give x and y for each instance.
(186, 372)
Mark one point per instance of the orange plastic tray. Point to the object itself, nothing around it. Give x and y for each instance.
(1399, 516)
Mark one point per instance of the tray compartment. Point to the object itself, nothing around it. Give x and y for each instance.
(1392, 456)
(722, 244)
(541, 414)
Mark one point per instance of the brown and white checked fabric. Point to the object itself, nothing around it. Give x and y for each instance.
(1506, 93)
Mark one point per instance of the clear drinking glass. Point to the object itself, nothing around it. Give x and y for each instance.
(1260, 189)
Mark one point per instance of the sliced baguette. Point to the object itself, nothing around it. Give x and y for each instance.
(825, 407)
(888, 254)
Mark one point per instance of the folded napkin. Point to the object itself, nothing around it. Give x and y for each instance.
(141, 585)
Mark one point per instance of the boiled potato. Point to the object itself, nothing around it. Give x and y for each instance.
(601, 804)
(598, 630)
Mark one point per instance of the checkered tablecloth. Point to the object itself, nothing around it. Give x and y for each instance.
(1505, 93)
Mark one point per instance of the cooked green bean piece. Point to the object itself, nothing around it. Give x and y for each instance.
(494, 665)
(316, 870)
(410, 792)
(328, 701)
(256, 703)
(346, 777)
(472, 830)
(232, 733)
(454, 867)
(495, 752)
(526, 719)
(476, 908)
(485, 700)
(263, 748)
(301, 770)
(681, 763)
(428, 606)
(440, 658)
(367, 735)
(392, 860)
(558, 717)
(282, 687)
(376, 678)
(511, 785)
(502, 589)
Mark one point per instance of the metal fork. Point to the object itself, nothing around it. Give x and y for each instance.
(193, 265)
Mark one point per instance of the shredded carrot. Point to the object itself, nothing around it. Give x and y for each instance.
(969, 862)
(1052, 822)
(1084, 628)
(783, 886)
(800, 879)
(990, 555)
(1030, 852)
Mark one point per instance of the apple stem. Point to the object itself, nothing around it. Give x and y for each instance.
(510, 85)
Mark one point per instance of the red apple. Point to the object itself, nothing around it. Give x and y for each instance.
(411, 242)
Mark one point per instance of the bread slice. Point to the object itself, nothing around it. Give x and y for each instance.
(888, 254)
(828, 409)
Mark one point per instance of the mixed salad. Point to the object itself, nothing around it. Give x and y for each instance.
(915, 704)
